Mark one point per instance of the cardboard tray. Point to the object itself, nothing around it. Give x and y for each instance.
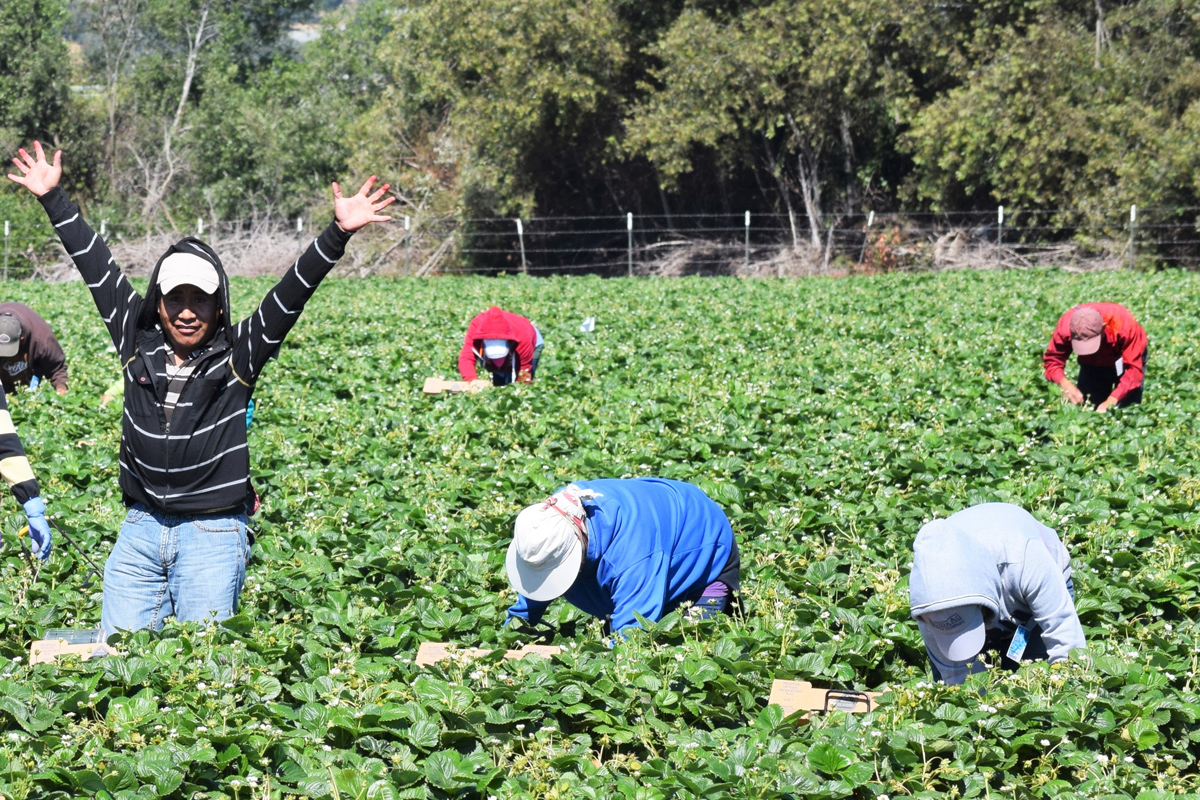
(433, 652)
(46, 651)
(438, 385)
(793, 696)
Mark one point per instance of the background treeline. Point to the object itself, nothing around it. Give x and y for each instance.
(812, 109)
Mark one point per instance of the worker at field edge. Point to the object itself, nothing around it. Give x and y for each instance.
(613, 547)
(1111, 347)
(504, 344)
(189, 374)
(991, 578)
(29, 351)
(16, 472)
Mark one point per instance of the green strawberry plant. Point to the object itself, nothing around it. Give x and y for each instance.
(829, 417)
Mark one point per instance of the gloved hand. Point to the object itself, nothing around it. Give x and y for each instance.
(39, 528)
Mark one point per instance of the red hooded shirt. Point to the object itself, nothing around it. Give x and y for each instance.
(496, 323)
(1123, 339)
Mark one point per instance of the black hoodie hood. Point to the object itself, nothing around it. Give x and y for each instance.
(189, 244)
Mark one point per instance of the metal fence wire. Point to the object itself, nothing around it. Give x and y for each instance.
(745, 243)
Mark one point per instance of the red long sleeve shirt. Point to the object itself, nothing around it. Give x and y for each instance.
(495, 323)
(1123, 339)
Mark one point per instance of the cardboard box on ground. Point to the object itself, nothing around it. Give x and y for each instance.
(45, 651)
(433, 652)
(794, 696)
(439, 385)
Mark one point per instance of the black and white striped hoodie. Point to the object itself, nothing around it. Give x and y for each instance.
(197, 463)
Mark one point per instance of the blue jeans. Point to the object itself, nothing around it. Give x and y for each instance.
(165, 565)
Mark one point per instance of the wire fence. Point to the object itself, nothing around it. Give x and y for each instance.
(745, 243)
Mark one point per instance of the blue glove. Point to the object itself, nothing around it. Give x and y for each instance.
(33, 382)
(39, 529)
(249, 413)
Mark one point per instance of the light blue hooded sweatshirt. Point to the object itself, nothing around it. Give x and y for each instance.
(995, 555)
(651, 543)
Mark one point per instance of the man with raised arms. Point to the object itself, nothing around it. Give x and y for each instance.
(189, 374)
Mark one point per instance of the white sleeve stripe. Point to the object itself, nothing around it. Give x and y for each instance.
(317, 247)
(271, 341)
(110, 317)
(300, 277)
(95, 236)
(279, 303)
(101, 281)
(68, 221)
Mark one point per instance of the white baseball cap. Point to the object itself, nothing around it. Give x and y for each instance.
(957, 633)
(187, 269)
(495, 348)
(545, 555)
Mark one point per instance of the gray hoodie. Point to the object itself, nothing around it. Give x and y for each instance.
(995, 555)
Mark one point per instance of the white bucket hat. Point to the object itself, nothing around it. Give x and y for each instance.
(546, 554)
(495, 348)
(956, 633)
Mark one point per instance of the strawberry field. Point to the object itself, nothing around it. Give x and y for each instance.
(829, 417)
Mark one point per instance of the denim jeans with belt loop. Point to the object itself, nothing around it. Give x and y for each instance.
(163, 565)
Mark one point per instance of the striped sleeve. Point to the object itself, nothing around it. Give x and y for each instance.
(14, 466)
(259, 336)
(115, 298)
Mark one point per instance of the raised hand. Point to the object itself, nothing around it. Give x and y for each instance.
(37, 174)
(361, 209)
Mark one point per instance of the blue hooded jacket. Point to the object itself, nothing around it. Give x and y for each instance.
(997, 556)
(652, 543)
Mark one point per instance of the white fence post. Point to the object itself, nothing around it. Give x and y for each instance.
(866, 237)
(406, 243)
(521, 239)
(629, 246)
(5, 249)
(1132, 232)
(200, 226)
(747, 239)
(999, 236)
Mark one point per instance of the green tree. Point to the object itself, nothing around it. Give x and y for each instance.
(1061, 116)
(800, 89)
(34, 70)
(155, 58)
(498, 91)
